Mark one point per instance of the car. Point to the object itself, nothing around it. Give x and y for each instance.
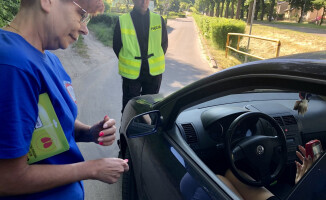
(249, 117)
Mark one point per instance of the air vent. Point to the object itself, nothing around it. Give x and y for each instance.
(190, 133)
(279, 121)
(289, 120)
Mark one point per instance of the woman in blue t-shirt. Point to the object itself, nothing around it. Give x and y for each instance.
(28, 70)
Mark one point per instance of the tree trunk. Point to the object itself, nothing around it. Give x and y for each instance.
(212, 5)
(242, 9)
(262, 10)
(226, 15)
(217, 8)
(237, 16)
(257, 9)
(301, 15)
(322, 16)
(251, 5)
(207, 9)
(221, 13)
(232, 9)
(271, 11)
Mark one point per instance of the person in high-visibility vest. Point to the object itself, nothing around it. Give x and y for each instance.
(140, 41)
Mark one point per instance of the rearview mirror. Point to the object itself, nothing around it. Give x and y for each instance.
(143, 124)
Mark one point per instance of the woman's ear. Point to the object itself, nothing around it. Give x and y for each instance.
(46, 5)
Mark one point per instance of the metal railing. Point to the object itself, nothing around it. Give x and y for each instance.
(250, 36)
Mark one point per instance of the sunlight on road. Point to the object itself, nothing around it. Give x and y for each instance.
(177, 84)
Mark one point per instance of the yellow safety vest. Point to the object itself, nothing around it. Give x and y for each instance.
(130, 56)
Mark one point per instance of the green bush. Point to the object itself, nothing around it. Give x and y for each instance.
(107, 7)
(217, 29)
(8, 9)
(193, 9)
(206, 21)
(107, 19)
(173, 13)
(220, 28)
(181, 15)
(203, 23)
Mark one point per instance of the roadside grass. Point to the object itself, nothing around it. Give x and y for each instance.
(219, 55)
(292, 42)
(80, 47)
(103, 33)
(292, 23)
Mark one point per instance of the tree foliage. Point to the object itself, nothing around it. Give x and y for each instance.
(8, 9)
(174, 5)
(184, 6)
(318, 4)
(303, 5)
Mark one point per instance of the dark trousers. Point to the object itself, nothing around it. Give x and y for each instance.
(144, 84)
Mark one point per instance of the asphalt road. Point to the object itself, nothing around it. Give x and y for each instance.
(97, 86)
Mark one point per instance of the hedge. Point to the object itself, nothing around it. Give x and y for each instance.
(103, 26)
(107, 19)
(217, 29)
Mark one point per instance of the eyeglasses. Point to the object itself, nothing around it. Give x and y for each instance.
(86, 17)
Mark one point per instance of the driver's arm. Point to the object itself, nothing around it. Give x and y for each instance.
(247, 191)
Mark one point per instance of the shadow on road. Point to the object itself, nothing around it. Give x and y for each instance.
(169, 29)
(179, 75)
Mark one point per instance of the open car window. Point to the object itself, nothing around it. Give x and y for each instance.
(204, 128)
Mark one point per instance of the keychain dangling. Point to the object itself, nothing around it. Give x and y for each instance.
(302, 105)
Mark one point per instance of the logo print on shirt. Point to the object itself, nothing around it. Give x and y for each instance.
(70, 90)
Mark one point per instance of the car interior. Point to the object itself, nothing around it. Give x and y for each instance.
(256, 132)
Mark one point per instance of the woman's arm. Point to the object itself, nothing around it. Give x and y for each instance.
(17, 177)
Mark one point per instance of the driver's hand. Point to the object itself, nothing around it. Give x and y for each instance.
(306, 163)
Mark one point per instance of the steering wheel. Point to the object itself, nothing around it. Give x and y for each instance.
(265, 155)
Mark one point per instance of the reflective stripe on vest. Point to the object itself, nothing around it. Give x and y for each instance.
(129, 66)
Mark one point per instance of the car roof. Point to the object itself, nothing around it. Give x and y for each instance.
(306, 65)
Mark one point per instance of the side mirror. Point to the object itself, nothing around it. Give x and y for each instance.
(143, 124)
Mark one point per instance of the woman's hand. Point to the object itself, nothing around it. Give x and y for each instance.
(104, 131)
(306, 163)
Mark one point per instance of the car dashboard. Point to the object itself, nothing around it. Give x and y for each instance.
(205, 125)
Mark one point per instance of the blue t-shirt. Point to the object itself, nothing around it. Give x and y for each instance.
(25, 73)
